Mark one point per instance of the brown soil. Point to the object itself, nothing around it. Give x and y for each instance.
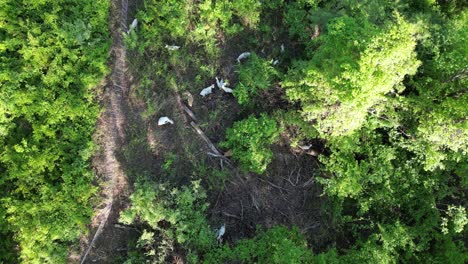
(286, 195)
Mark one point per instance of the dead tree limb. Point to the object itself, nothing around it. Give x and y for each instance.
(274, 185)
(231, 215)
(98, 231)
(206, 139)
(189, 112)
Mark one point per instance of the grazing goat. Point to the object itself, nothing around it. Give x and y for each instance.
(132, 26)
(173, 47)
(221, 85)
(220, 232)
(165, 120)
(243, 55)
(208, 90)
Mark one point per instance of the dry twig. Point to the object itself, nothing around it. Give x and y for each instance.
(231, 215)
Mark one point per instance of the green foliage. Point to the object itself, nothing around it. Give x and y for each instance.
(276, 245)
(176, 216)
(390, 190)
(296, 128)
(452, 7)
(439, 106)
(8, 252)
(375, 11)
(381, 83)
(250, 139)
(169, 162)
(197, 22)
(213, 177)
(300, 16)
(131, 40)
(447, 251)
(456, 215)
(255, 75)
(355, 67)
(382, 247)
(52, 54)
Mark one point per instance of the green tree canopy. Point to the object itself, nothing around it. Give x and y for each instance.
(357, 66)
(52, 53)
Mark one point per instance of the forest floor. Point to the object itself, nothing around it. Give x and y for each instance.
(131, 145)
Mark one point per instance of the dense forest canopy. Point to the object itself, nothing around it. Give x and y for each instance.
(52, 55)
(380, 86)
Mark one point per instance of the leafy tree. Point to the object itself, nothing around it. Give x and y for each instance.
(250, 139)
(394, 198)
(356, 66)
(438, 103)
(52, 54)
(299, 16)
(295, 127)
(452, 7)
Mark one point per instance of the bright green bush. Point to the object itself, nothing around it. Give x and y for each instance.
(276, 245)
(176, 216)
(131, 40)
(52, 54)
(248, 11)
(250, 140)
(161, 23)
(255, 75)
(374, 173)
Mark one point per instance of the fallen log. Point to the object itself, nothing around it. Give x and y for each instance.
(206, 139)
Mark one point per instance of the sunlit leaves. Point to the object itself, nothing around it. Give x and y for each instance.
(353, 70)
(276, 245)
(52, 54)
(250, 140)
(255, 75)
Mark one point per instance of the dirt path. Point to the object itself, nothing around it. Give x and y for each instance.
(111, 136)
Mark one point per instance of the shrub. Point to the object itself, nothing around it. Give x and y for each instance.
(181, 209)
(249, 141)
(276, 245)
(255, 75)
(248, 11)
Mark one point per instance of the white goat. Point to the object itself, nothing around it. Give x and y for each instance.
(242, 56)
(132, 26)
(173, 47)
(165, 120)
(221, 85)
(305, 147)
(208, 90)
(220, 232)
